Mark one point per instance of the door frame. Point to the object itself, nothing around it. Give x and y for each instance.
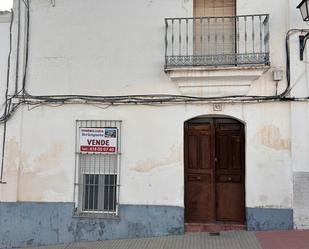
(214, 116)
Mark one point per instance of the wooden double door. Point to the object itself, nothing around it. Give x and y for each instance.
(214, 170)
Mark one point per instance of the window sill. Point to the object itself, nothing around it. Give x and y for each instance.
(216, 81)
(96, 216)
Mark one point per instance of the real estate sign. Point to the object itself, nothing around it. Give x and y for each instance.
(98, 140)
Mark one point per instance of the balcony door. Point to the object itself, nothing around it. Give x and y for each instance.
(214, 35)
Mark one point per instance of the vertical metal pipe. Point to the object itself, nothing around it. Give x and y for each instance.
(237, 36)
(187, 37)
(194, 35)
(95, 176)
(261, 37)
(166, 41)
(102, 173)
(81, 192)
(223, 35)
(98, 171)
(104, 177)
(253, 35)
(17, 50)
(268, 34)
(3, 151)
(234, 38)
(7, 102)
(216, 36)
(109, 177)
(118, 166)
(179, 37)
(76, 165)
(172, 37)
(114, 176)
(245, 20)
(201, 36)
(208, 35)
(26, 56)
(88, 181)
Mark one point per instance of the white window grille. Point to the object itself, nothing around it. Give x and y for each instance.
(97, 177)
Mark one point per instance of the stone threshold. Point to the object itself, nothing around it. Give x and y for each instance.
(214, 227)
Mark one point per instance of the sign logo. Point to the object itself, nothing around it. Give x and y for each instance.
(98, 140)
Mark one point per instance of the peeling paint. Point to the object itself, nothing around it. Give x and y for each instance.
(36, 177)
(11, 155)
(32, 186)
(51, 158)
(270, 136)
(174, 157)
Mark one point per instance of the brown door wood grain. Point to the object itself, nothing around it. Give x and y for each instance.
(214, 170)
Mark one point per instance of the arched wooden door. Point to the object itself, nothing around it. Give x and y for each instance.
(214, 150)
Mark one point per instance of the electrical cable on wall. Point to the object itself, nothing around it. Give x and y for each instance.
(27, 98)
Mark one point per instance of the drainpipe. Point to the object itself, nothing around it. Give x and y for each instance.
(7, 104)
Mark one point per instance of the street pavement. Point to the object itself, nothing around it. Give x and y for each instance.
(284, 239)
(222, 240)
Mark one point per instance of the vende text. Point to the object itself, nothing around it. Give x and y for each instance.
(97, 142)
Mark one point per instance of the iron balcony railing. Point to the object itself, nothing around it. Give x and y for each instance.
(217, 41)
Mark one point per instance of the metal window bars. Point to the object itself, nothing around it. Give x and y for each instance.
(97, 176)
(217, 41)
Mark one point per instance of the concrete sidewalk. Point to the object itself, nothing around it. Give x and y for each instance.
(224, 240)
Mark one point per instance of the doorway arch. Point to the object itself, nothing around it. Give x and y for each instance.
(214, 160)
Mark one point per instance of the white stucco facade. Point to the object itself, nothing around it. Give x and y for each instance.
(114, 48)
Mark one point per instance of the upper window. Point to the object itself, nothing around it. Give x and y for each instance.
(216, 35)
(214, 8)
(98, 160)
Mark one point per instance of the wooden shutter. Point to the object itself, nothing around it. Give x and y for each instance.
(219, 36)
(214, 8)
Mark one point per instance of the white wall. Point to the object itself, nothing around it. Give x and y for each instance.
(115, 47)
(152, 156)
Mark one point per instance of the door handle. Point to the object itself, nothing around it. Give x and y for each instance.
(198, 178)
(229, 178)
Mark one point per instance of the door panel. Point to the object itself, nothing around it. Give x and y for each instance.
(199, 203)
(205, 158)
(230, 202)
(199, 180)
(230, 194)
(193, 152)
(214, 170)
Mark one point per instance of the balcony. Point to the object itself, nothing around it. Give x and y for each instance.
(217, 41)
(215, 56)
